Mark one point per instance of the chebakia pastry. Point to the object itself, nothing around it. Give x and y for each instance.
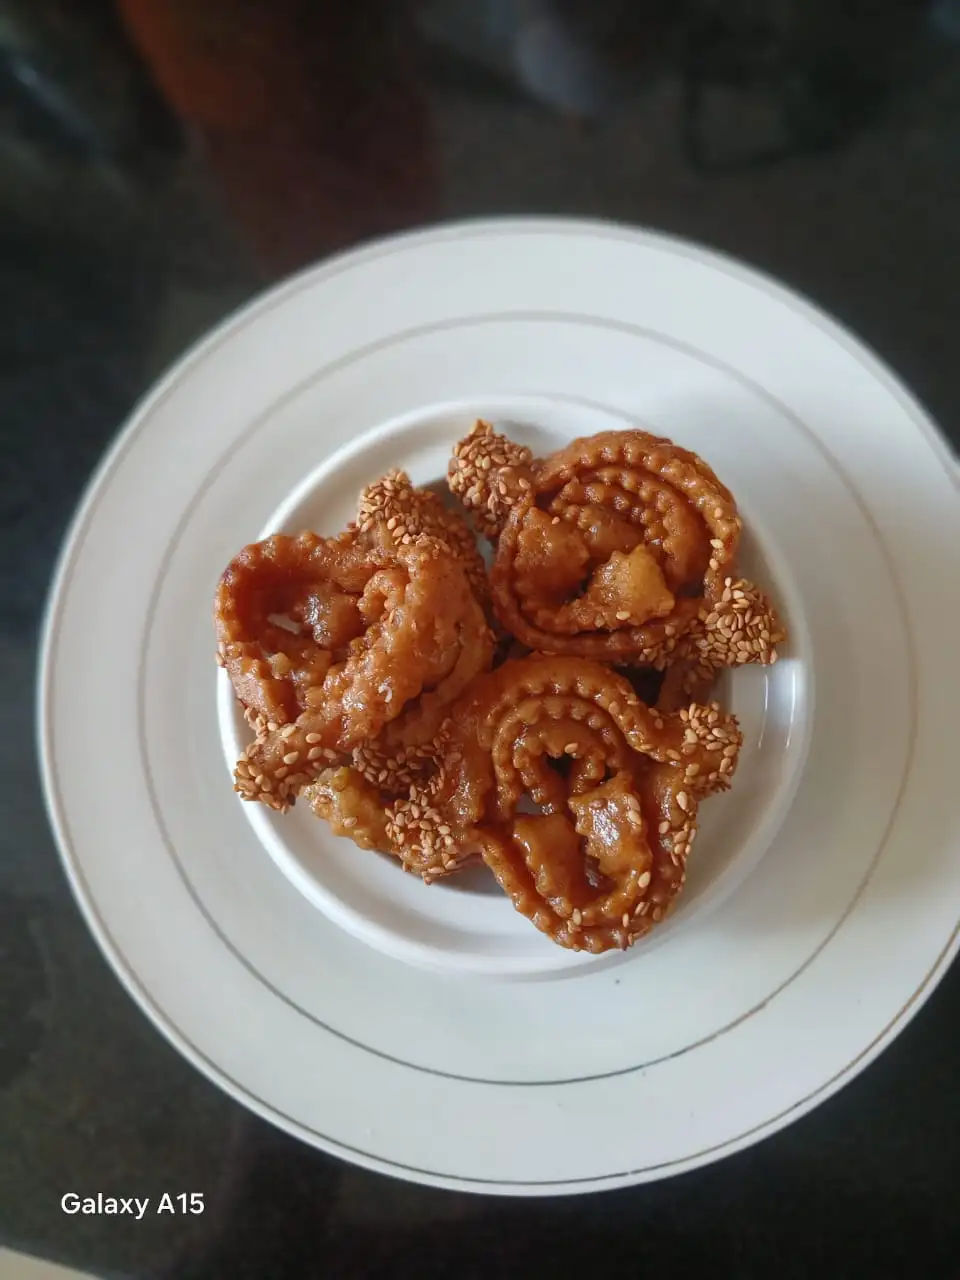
(580, 799)
(621, 546)
(376, 811)
(554, 719)
(396, 505)
(330, 640)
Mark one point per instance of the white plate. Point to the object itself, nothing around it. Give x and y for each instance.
(466, 924)
(742, 1018)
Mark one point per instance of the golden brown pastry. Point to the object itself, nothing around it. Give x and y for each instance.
(620, 546)
(406, 511)
(377, 690)
(581, 799)
(374, 810)
(329, 640)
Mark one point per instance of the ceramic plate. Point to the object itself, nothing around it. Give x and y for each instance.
(431, 1033)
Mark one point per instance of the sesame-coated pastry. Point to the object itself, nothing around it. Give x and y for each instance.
(553, 718)
(407, 511)
(581, 799)
(329, 640)
(620, 546)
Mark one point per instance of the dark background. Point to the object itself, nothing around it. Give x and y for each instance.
(163, 160)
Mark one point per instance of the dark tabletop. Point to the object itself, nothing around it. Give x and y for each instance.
(131, 218)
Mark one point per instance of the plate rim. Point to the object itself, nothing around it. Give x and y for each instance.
(854, 347)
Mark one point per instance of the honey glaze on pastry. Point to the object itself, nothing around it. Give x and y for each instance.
(376, 811)
(581, 799)
(376, 817)
(328, 640)
(620, 546)
(406, 512)
(553, 718)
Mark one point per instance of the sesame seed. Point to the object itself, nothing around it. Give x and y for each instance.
(644, 880)
(291, 757)
(313, 737)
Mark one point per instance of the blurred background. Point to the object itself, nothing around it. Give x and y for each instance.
(163, 160)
